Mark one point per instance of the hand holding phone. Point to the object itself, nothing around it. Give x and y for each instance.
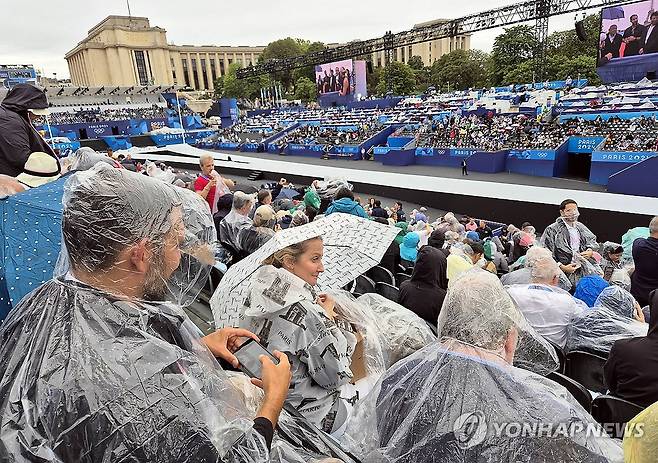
(249, 353)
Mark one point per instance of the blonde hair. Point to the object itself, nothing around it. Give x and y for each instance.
(294, 251)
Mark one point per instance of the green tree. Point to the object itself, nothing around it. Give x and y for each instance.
(284, 48)
(305, 90)
(219, 87)
(308, 71)
(511, 49)
(233, 87)
(566, 43)
(402, 79)
(463, 69)
(423, 79)
(416, 63)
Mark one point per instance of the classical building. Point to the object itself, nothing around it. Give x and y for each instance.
(428, 51)
(127, 50)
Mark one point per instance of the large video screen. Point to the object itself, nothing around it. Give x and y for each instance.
(628, 30)
(346, 77)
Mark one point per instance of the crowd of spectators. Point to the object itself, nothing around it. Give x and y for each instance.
(501, 300)
(329, 136)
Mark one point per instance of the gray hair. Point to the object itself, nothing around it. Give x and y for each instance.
(653, 225)
(240, 200)
(535, 253)
(544, 270)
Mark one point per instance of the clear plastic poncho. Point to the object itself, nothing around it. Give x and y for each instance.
(108, 210)
(100, 373)
(461, 400)
(152, 170)
(334, 362)
(611, 319)
(326, 189)
(85, 158)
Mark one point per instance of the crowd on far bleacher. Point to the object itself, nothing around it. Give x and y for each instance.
(328, 136)
(99, 114)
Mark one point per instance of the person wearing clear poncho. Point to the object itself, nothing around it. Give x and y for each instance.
(236, 220)
(338, 346)
(97, 365)
(615, 315)
(467, 397)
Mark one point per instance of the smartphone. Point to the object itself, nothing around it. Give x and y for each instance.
(248, 355)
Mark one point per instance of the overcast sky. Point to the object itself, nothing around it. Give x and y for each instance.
(40, 32)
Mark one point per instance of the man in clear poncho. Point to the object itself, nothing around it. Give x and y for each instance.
(615, 315)
(570, 241)
(461, 400)
(97, 366)
(236, 220)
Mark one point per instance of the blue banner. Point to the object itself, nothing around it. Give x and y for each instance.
(379, 150)
(620, 156)
(533, 155)
(584, 144)
(222, 145)
(346, 149)
(296, 147)
(463, 152)
(251, 147)
(452, 152)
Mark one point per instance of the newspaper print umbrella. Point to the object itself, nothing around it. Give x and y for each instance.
(352, 246)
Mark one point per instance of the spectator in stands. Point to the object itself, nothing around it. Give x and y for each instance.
(569, 240)
(402, 217)
(589, 288)
(614, 271)
(289, 315)
(344, 202)
(237, 219)
(612, 43)
(265, 197)
(633, 37)
(224, 205)
(645, 255)
(615, 315)
(124, 237)
(423, 294)
(127, 162)
(459, 261)
(523, 276)
(409, 249)
(18, 138)
(484, 230)
(378, 210)
(641, 447)
(631, 371)
(209, 184)
(548, 309)
(435, 405)
(260, 232)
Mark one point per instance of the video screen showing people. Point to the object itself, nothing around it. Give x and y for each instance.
(628, 30)
(335, 77)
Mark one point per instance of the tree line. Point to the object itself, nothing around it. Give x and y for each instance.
(510, 61)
